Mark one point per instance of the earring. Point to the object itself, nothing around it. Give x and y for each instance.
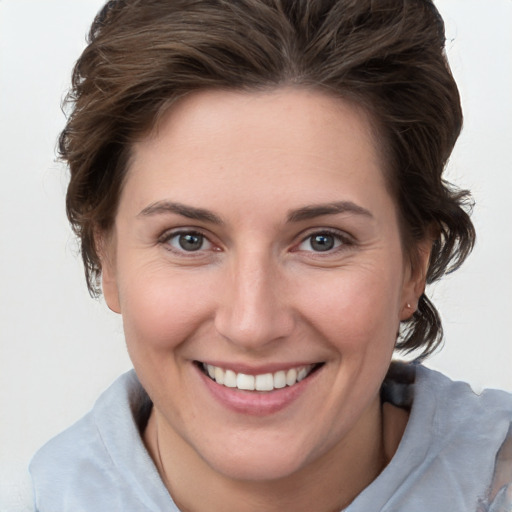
(408, 306)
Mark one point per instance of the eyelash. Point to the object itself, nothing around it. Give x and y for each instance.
(175, 234)
(342, 241)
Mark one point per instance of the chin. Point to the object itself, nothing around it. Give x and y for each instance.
(258, 462)
(257, 470)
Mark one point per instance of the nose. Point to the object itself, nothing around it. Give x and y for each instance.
(254, 310)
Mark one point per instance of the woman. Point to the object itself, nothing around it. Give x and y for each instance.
(258, 186)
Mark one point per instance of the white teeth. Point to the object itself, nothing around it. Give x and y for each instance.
(280, 380)
(265, 382)
(302, 374)
(230, 379)
(291, 377)
(219, 375)
(262, 382)
(245, 381)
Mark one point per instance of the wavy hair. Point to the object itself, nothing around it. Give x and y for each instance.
(387, 56)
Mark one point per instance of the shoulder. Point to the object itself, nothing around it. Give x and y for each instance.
(455, 405)
(464, 427)
(466, 432)
(98, 463)
(446, 459)
(474, 437)
(445, 405)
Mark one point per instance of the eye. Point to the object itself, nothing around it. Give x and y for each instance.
(188, 241)
(323, 241)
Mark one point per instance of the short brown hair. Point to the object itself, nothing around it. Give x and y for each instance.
(385, 55)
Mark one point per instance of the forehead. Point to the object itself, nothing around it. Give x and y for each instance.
(294, 110)
(249, 143)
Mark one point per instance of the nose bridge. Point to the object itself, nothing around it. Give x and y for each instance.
(254, 311)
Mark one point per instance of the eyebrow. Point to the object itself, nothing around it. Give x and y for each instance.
(162, 207)
(301, 214)
(312, 211)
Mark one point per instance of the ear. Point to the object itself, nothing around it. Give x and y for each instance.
(106, 246)
(415, 278)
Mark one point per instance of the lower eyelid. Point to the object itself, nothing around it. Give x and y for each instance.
(167, 237)
(341, 240)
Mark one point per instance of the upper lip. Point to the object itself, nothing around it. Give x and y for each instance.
(249, 369)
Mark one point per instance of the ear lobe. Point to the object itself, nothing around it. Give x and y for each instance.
(109, 287)
(106, 249)
(415, 283)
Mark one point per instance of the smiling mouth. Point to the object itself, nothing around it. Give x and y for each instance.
(261, 382)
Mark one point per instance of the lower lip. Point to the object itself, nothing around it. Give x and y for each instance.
(257, 403)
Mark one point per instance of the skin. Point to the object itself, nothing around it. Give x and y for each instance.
(258, 293)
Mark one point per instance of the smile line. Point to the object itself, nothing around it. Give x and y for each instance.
(261, 382)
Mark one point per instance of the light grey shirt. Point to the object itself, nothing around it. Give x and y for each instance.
(445, 462)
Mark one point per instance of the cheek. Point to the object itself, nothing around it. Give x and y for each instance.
(355, 310)
(161, 310)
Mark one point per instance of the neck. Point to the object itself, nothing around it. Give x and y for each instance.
(331, 481)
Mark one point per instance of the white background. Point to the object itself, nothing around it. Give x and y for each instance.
(59, 348)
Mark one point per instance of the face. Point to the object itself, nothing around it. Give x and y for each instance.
(257, 262)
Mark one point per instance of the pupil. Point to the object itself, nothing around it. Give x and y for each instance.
(322, 242)
(191, 242)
